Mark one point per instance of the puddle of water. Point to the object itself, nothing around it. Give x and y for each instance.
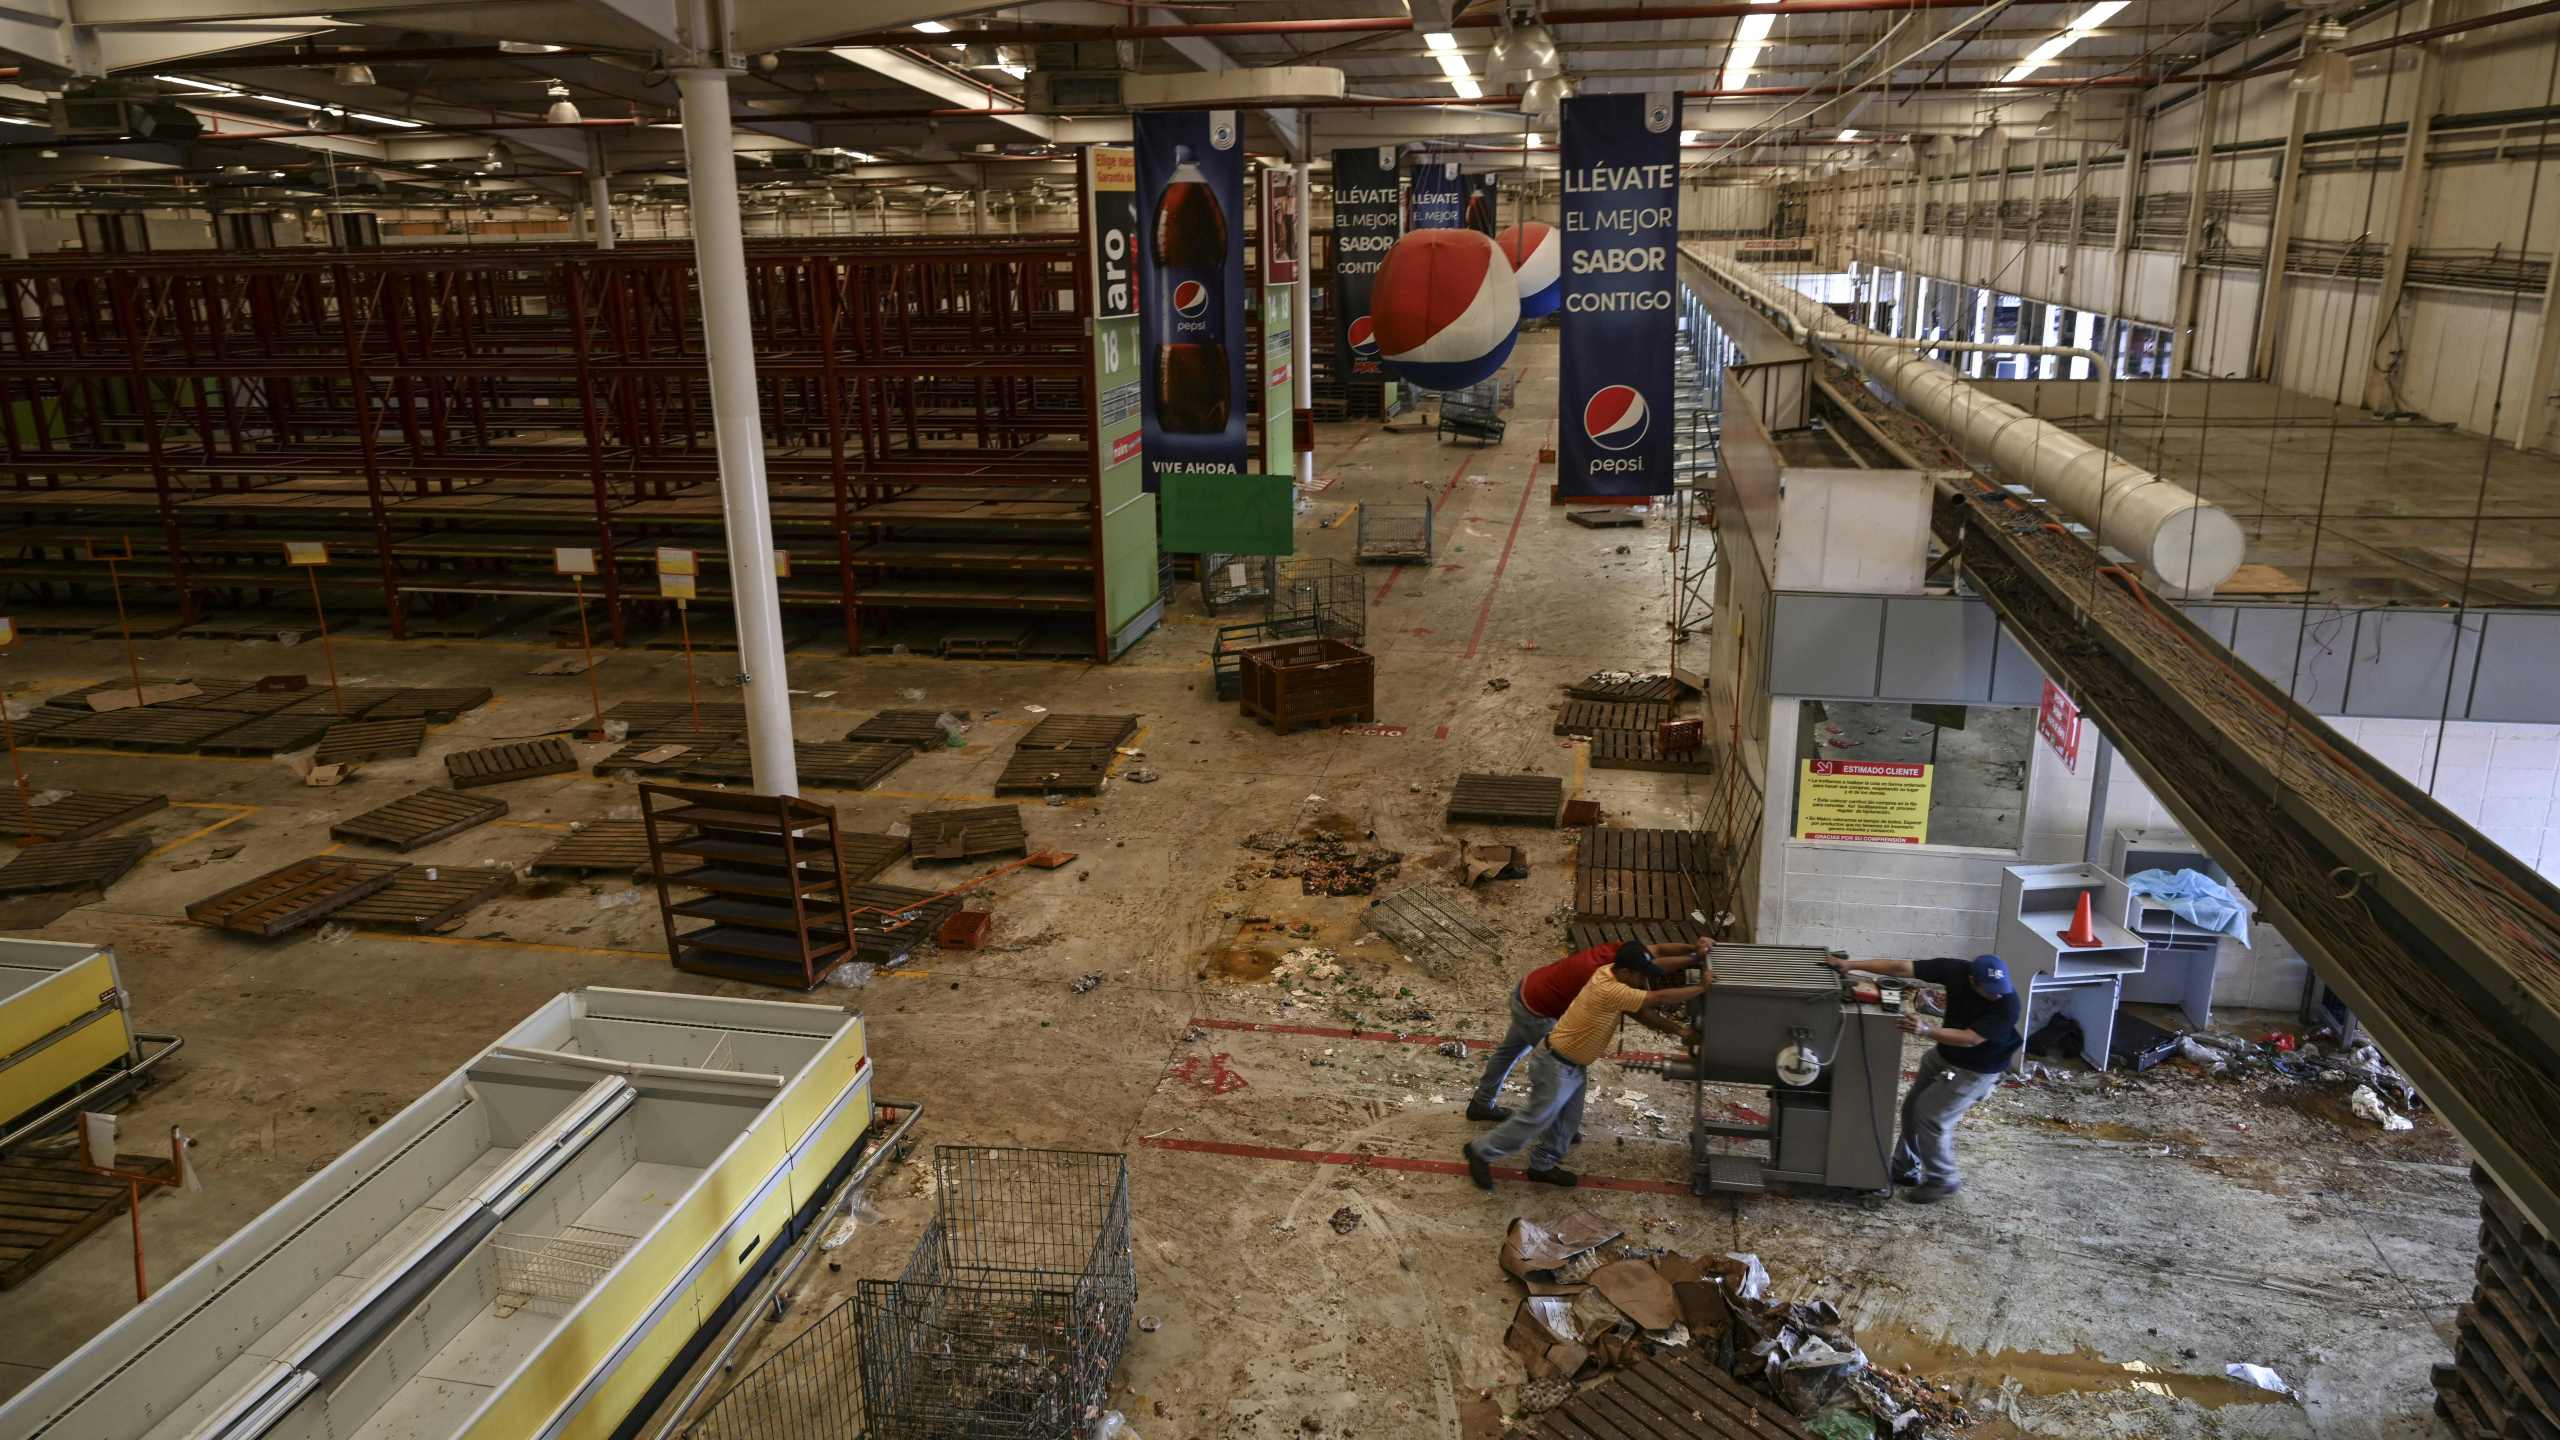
(2039, 1373)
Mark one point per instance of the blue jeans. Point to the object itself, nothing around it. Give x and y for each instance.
(1938, 1099)
(1551, 1118)
(1528, 1027)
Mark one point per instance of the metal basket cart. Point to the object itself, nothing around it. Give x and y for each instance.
(1229, 581)
(1330, 596)
(1394, 532)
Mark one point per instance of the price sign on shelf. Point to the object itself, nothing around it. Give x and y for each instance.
(306, 552)
(674, 586)
(8, 632)
(573, 560)
(781, 564)
(674, 561)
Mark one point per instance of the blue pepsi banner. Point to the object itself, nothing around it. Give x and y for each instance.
(1191, 292)
(1484, 203)
(1439, 196)
(1621, 224)
(1367, 211)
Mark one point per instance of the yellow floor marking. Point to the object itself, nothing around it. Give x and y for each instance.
(152, 756)
(1347, 512)
(1581, 770)
(239, 813)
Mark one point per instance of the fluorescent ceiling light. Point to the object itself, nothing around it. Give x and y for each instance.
(1749, 39)
(933, 27)
(1440, 41)
(18, 120)
(392, 120)
(1016, 71)
(2046, 53)
(1849, 134)
(206, 86)
(281, 100)
(1467, 87)
(1453, 66)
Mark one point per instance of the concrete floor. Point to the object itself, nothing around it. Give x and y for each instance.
(2166, 1220)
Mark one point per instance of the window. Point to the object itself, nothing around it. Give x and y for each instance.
(1974, 760)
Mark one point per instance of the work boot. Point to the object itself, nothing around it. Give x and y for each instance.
(1932, 1192)
(1478, 1168)
(1906, 1177)
(1484, 1114)
(1557, 1176)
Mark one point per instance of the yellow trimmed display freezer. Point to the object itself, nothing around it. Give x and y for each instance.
(66, 1041)
(533, 1249)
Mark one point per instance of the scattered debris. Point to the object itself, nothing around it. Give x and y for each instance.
(1345, 1220)
(1479, 863)
(1454, 1049)
(1086, 983)
(1141, 775)
(1498, 682)
(327, 774)
(2259, 1375)
(1326, 863)
(2369, 1106)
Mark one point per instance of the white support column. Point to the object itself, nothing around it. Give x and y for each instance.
(600, 191)
(14, 226)
(2533, 417)
(2182, 338)
(1302, 358)
(720, 259)
(2389, 341)
(2262, 364)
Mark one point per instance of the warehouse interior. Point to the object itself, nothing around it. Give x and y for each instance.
(677, 771)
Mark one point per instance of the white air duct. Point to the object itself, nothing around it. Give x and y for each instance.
(2185, 545)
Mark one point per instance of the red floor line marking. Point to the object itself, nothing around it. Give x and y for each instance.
(1327, 1032)
(1392, 1162)
(1398, 572)
(1331, 480)
(1484, 612)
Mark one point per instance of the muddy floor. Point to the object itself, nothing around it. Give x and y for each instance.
(2120, 1239)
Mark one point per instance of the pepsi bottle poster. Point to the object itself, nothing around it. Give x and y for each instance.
(1621, 222)
(1367, 217)
(1439, 195)
(1484, 204)
(1191, 291)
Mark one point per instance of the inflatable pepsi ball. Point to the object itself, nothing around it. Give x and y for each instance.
(1536, 256)
(1446, 308)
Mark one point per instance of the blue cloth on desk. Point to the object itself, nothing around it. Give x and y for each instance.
(2197, 898)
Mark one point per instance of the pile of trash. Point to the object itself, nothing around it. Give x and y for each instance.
(1597, 1303)
(1326, 863)
(2379, 1084)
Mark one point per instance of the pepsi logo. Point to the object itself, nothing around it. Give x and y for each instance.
(1615, 417)
(1190, 299)
(1364, 338)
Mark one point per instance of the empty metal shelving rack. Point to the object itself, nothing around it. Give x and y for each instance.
(770, 880)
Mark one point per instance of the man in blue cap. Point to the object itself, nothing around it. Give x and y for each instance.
(1976, 1041)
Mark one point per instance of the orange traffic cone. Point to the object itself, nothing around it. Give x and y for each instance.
(2083, 931)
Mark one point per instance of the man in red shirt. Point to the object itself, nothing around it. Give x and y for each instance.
(1539, 1000)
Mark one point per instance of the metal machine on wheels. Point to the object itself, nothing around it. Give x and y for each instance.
(1777, 1020)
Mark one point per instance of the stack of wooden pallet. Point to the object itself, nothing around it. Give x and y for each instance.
(1065, 753)
(1631, 733)
(1649, 885)
(2504, 1378)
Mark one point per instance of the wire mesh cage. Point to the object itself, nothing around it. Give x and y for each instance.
(549, 1273)
(1227, 581)
(1394, 532)
(1015, 1307)
(1322, 598)
(810, 1389)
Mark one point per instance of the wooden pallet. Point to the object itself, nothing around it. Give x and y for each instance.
(600, 847)
(345, 703)
(1644, 689)
(1507, 799)
(1677, 1395)
(1611, 519)
(833, 765)
(52, 1205)
(77, 815)
(860, 856)
(350, 741)
(1583, 934)
(2504, 1378)
(414, 903)
(1041, 772)
(1589, 717)
(419, 819)
(92, 864)
(298, 894)
(440, 705)
(1694, 851)
(78, 700)
(914, 728)
(967, 834)
(627, 760)
(1607, 892)
(251, 701)
(518, 760)
(726, 717)
(989, 639)
(1642, 750)
(155, 727)
(43, 721)
(1072, 732)
(267, 734)
(891, 922)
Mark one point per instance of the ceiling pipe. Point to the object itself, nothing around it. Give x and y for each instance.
(317, 59)
(2186, 544)
(1397, 24)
